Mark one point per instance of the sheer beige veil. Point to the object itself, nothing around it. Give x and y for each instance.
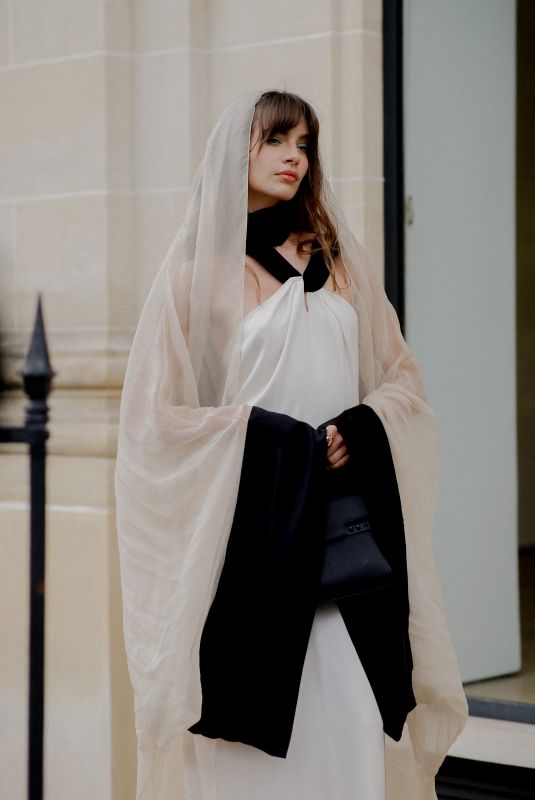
(391, 383)
(179, 452)
(178, 470)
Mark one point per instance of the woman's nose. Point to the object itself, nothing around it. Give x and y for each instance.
(294, 154)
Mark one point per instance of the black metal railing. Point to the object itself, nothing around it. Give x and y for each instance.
(37, 377)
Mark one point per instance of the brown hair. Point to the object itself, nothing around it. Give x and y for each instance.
(279, 112)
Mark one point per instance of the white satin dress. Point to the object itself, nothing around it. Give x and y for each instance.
(305, 364)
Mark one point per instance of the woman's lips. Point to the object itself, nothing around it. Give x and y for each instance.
(287, 176)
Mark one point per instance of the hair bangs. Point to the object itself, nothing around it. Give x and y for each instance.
(282, 111)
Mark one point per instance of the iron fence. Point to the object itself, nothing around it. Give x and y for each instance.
(37, 377)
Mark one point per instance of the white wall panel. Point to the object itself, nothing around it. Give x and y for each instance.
(459, 77)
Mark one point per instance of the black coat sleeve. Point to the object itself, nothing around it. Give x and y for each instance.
(378, 622)
(255, 637)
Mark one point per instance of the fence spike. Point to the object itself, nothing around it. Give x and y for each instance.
(37, 372)
(37, 362)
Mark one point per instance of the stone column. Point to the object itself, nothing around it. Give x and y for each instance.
(66, 221)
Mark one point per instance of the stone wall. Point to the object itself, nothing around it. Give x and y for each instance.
(107, 106)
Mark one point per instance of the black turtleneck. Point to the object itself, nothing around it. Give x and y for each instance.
(268, 228)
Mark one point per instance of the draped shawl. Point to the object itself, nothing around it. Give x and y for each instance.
(178, 470)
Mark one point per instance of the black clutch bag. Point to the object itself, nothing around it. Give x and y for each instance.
(353, 563)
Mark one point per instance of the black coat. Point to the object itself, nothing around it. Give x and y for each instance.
(256, 634)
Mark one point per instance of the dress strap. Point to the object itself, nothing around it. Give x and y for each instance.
(269, 227)
(314, 277)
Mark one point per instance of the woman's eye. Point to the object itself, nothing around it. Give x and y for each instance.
(273, 139)
(303, 146)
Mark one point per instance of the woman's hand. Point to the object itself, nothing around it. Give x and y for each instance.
(337, 454)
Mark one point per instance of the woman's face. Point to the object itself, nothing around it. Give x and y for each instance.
(277, 166)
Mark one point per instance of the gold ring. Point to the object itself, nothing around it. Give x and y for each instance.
(330, 438)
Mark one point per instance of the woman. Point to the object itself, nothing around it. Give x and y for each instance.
(244, 389)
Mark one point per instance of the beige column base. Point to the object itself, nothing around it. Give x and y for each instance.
(90, 749)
